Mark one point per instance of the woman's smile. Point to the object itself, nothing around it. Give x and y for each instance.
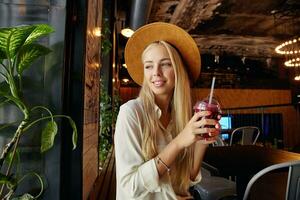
(158, 83)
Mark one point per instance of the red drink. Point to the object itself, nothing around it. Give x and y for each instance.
(213, 107)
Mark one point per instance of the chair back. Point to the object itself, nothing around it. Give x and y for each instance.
(249, 135)
(293, 182)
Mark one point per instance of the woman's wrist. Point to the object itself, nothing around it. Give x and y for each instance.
(201, 144)
(178, 143)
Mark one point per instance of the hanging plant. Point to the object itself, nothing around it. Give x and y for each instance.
(109, 109)
(106, 44)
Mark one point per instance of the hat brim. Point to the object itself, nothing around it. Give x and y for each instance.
(158, 31)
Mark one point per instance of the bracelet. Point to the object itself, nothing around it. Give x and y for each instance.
(164, 164)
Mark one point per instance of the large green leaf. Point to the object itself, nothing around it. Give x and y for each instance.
(48, 136)
(39, 31)
(12, 39)
(5, 34)
(28, 54)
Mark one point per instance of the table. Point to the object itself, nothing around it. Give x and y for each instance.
(245, 161)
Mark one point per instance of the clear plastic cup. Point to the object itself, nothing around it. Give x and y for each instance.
(213, 107)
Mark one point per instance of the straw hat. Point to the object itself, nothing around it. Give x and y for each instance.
(170, 33)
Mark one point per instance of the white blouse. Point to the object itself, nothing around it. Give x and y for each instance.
(136, 178)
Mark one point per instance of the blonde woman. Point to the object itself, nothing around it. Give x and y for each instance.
(158, 143)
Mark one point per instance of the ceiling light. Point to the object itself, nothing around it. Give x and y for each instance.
(127, 32)
(291, 49)
(125, 80)
(294, 62)
(297, 78)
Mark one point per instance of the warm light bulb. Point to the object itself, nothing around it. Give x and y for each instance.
(125, 80)
(97, 31)
(289, 47)
(127, 32)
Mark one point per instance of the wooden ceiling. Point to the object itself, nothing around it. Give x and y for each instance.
(239, 27)
(232, 30)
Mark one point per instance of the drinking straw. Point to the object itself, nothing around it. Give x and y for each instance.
(211, 89)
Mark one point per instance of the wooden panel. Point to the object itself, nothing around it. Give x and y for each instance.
(90, 129)
(113, 186)
(105, 185)
(91, 96)
(233, 98)
(91, 156)
(89, 142)
(90, 173)
(108, 180)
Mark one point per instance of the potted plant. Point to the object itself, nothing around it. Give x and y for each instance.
(18, 50)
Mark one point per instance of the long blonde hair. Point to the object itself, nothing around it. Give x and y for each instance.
(181, 113)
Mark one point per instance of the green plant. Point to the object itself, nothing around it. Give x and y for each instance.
(109, 109)
(18, 51)
(106, 44)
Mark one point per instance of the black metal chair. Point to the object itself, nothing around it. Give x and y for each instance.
(212, 186)
(293, 182)
(248, 135)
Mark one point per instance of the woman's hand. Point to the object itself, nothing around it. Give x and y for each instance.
(196, 127)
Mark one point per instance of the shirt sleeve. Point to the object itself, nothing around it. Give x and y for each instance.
(134, 175)
(197, 179)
